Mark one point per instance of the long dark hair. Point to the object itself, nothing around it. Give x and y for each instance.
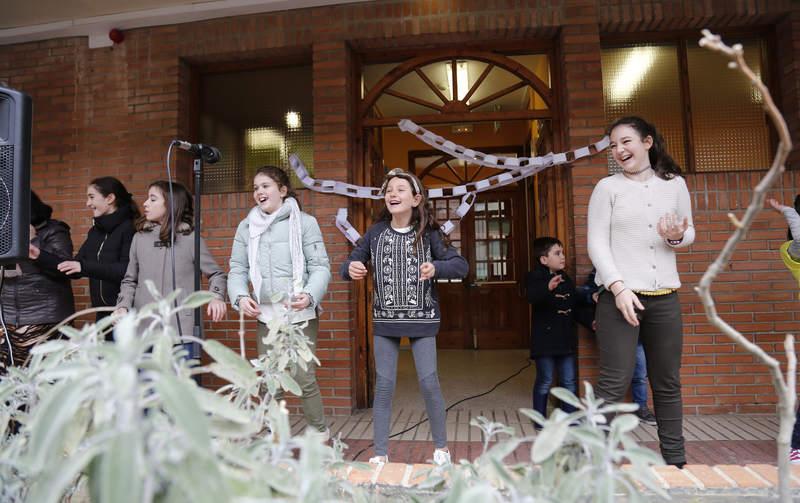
(106, 185)
(660, 160)
(280, 177)
(182, 212)
(422, 217)
(40, 212)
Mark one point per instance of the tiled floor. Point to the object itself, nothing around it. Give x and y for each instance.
(720, 439)
(712, 440)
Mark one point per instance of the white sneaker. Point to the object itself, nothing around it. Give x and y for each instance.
(378, 460)
(441, 457)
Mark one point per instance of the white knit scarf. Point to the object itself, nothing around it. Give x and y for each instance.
(258, 223)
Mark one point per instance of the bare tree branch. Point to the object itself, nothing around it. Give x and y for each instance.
(784, 387)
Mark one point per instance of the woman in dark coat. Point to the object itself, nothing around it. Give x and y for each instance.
(103, 257)
(35, 297)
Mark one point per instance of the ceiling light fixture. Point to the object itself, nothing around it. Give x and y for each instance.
(462, 78)
(292, 119)
(636, 66)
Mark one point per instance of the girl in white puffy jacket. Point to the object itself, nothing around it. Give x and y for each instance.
(279, 250)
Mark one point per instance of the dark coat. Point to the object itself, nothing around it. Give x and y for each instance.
(554, 332)
(105, 254)
(37, 294)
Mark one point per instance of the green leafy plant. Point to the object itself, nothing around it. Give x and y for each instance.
(576, 457)
(126, 421)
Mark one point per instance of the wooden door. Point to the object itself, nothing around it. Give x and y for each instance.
(498, 309)
(487, 310)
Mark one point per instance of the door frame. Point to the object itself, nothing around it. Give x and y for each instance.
(363, 172)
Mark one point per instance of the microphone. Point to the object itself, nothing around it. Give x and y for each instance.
(209, 154)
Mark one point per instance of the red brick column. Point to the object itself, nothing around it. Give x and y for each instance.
(583, 122)
(333, 139)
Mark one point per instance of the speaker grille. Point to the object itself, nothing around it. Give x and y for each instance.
(6, 182)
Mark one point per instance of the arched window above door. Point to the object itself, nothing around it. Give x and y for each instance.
(457, 86)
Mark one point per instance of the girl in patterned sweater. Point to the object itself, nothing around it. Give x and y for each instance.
(408, 251)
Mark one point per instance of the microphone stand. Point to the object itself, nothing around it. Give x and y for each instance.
(197, 331)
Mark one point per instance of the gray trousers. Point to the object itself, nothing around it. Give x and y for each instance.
(661, 332)
(424, 349)
(307, 379)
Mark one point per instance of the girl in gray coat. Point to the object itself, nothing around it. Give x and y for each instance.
(150, 257)
(279, 250)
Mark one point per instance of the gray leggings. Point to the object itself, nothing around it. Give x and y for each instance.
(424, 349)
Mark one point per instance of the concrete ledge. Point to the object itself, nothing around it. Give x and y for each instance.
(693, 478)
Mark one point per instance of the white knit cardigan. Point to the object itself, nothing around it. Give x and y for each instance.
(623, 239)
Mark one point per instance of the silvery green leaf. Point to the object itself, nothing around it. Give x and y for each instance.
(50, 488)
(116, 474)
(197, 479)
(646, 478)
(566, 396)
(223, 428)
(219, 406)
(162, 352)
(76, 431)
(590, 437)
(57, 408)
(66, 370)
(483, 493)
(588, 391)
(283, 361)
(179, 402)
(624, 423)
(306, 354)
(69, 331)
(290, 384)
(619, 407)
(197, 299)
(226, 356)
(151, 288)
(548, 441)
(536, 416)
(280, 480)
(501, 469)
(125, 332)
(50, 347)
(276, 298)
(644, 455)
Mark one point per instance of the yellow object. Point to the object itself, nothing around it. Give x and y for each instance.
(790, 263)
(655, 293)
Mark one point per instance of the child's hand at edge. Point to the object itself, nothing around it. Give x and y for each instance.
(555, 281)
(426, 271)
(217, 309)
(776, 205)
(357, 270)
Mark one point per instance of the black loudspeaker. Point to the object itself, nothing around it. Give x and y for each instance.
(15, 175)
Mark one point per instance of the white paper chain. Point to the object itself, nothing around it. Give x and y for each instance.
(515, 169)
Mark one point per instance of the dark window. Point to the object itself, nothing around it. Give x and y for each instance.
(256, 118)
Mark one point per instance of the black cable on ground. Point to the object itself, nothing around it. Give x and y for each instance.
(417, 425)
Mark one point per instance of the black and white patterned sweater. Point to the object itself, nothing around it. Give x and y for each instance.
(403, 305)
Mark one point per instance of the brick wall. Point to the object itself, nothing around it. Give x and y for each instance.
(112, 111)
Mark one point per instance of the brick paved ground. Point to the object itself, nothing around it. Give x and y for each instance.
(731, 452)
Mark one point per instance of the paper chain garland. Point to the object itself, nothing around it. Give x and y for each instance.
(515, 169)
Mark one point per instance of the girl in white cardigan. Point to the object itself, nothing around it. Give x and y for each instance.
(637, 218)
